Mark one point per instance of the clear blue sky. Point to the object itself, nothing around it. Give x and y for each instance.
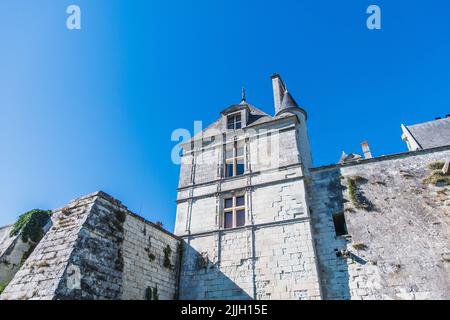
(94, 109)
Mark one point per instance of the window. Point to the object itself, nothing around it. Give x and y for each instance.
(339, 224)
(234, 212)
(234, 159)
(234, 122)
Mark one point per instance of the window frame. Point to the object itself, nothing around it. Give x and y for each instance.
(234, 209)
(235, 159)
(233, 119)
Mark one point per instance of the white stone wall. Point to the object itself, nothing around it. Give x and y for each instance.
(285, 264)
(271, 262)
(272, 257)
(399, 246)
(143, 254)
(11, 259)
(206, 164)
(278, 202)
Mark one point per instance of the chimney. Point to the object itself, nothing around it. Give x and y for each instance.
(366, 149)
(278, 91)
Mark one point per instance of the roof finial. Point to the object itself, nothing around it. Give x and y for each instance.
(243, 94)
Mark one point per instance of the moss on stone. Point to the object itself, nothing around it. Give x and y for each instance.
(31, 225)
(359, 246)
(438, 165)
(438, 178)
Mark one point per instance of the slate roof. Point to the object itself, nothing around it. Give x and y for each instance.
(289, 104)
(431, 134)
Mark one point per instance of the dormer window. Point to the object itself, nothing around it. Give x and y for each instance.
(234, 122)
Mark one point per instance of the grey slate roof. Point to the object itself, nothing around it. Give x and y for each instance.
(289, 103)
(432, 134)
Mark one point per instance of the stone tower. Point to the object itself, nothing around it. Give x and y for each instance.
(242, 206)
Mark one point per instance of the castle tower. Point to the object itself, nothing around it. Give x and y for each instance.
(242, 206)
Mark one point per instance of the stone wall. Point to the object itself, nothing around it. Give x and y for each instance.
(15, 249)
(272, 257)
(264, 262)
(148, 264)
(12, 252)
(92, 252)
(13, 257)
(398, 243)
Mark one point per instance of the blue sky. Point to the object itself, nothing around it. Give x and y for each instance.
(94, 109)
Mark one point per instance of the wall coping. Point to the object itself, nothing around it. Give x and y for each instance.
(382, 158)
(107, 197)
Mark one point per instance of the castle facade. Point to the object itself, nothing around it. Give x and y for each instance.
(256, 220)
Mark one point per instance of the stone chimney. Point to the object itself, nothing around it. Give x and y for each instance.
(366, 150)
(278, 91)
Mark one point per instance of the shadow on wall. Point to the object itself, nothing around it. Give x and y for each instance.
(201, 279)
(330, 231)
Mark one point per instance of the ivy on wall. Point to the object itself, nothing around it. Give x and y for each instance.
(31, 225)
(167, 254)
(151, 294)
(356, 195)
(2, 287)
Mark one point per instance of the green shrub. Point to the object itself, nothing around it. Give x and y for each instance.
(31, 225)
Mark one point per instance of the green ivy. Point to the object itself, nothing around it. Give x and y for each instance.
(31, 225)
(151, 294)
(148, 293)
(167, 254)
(356, 196)
(2, 287)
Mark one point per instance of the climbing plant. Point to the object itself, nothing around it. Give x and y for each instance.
(356, 195)
(31, 225)
(151, 294)
(2, 287)
(167, 254)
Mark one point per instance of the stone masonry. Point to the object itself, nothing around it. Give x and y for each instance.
(272, 254)
(97, 249)
(398, 242)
